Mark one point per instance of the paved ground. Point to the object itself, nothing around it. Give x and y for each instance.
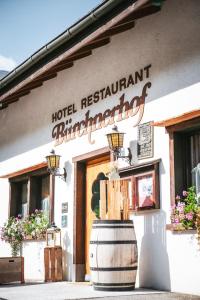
(66, 290)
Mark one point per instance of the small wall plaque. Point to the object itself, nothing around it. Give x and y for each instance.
(64, 221)
(64, 207)
(145, 141)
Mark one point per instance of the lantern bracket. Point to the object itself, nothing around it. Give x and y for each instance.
(117, 155)
(56, 172)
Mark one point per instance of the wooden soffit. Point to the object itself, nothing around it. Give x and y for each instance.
(101, 37)
(180, 121)
(25, 171)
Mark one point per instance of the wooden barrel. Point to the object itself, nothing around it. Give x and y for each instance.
(113, 255)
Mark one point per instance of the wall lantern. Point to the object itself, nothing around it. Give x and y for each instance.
(53, 162)
(115, 142)
(53, 236)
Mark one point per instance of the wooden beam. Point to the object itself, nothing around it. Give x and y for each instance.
(79, 55)
(3, 105)
(120, 28)
(20, 94)
(32, 86)
(61, 67)
(45, 77)
(97, 43)
(143, 12)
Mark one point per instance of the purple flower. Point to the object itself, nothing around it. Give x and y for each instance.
(178, 197)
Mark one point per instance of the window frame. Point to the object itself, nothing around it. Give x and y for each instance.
(22, 176)
(191, 125)
(133, 173)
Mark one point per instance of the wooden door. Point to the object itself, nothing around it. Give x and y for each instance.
(96, 170)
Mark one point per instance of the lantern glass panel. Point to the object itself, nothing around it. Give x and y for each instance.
(53, 161)
(115, 140)
(53, 237)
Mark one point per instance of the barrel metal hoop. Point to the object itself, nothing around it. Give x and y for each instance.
(112, 222)
(112, 227)
(114, 289)
(114, 269)
(113, 242)
(114, 284)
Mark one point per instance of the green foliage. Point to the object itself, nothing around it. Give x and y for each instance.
(15, 230)
(35, 225)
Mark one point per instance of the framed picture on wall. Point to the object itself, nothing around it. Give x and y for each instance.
(143, 186)
(146, 191)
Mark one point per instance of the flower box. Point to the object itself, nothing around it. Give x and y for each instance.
(11, 269)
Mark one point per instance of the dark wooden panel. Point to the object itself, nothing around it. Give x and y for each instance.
(79, 213)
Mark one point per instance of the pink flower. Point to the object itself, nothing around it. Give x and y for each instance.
(176, 219)
(189, 215)
(185, 193)
(178, 197)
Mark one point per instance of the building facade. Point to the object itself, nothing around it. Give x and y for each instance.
(136, 64)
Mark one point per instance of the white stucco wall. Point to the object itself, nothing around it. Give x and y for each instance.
(170, 42)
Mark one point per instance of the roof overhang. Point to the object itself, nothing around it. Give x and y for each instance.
(66, 53)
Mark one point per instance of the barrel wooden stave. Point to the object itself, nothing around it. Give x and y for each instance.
(113, 255)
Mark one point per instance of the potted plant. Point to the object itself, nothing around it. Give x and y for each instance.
(184, 211)
(35, 225)
(12, 232)
(16, 229)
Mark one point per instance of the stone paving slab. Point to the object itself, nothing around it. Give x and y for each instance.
(66, 291)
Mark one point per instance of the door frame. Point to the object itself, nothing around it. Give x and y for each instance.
(80, 162)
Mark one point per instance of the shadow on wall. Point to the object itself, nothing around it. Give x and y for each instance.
(154, 263)
(67, 258)
(68, 167)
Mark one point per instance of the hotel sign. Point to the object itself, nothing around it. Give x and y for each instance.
(66, 130)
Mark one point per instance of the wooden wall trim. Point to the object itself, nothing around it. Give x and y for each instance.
(172, 172)
(80, 163)
(91, 155)
(178, 119)
(52, 198)
(26, 170)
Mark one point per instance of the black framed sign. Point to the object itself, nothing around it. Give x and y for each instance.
(145, 141)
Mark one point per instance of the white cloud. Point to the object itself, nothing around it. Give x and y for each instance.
(7, 63)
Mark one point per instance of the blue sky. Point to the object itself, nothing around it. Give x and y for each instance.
(27, 25)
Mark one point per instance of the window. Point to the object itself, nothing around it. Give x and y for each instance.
(30, 191)
(187, 159)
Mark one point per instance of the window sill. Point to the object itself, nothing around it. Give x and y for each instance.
(31, 239)
(178, 228)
